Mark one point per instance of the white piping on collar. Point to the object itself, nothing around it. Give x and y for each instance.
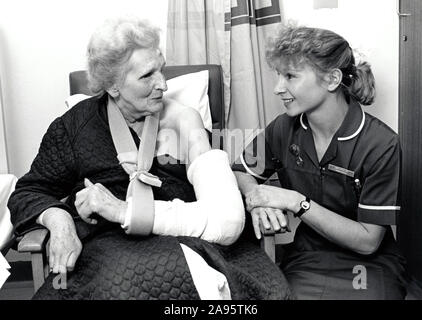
(302, 123)
(357, 131)
(341, 138)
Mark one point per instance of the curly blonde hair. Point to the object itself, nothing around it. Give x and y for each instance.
(323, 50)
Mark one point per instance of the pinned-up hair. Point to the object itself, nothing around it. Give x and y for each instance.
(323, 50)
(111, 46)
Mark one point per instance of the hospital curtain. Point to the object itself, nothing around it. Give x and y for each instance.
(231, 33)
(196, 35)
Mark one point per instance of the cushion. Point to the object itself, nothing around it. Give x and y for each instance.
(189, 89)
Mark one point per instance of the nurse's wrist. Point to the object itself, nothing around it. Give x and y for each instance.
(296, 199)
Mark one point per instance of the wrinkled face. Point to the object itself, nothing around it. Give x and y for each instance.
(140, 93)
(299, 87)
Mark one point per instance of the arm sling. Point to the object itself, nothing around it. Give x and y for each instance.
(136, 164)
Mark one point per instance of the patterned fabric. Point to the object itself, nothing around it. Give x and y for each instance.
(113, 265)
(116, 266)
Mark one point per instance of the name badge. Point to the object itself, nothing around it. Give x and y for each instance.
(341, 170)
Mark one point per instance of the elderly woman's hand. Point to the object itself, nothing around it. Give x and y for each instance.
(272, 197)
(64, 245)
(270, 218)
(96, 198)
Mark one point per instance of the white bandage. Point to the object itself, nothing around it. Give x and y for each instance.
(217, 215)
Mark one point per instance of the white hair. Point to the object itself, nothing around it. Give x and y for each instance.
(111, 46)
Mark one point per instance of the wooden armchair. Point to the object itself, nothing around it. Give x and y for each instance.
(268, 242)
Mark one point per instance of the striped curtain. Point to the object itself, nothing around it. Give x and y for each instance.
(196, 35)
(251, 22)
(231, 33)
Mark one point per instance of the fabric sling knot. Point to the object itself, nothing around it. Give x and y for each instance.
(146, 178)
(128, 160)
(136, 164)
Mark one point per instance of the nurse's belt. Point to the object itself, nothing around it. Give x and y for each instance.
(136, 164)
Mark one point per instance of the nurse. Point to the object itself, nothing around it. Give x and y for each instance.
(339, 170)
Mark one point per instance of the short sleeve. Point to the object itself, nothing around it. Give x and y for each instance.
(379, 201)
(257, 159)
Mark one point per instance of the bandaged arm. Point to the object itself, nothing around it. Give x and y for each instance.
(217, 215)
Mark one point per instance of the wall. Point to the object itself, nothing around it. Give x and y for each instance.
(372, 27)
(40, 43)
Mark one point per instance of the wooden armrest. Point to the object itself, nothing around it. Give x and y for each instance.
(268, 241)
(34, 241)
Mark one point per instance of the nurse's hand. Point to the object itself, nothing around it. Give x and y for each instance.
(272, 197)
(269, 218)
(96, 198)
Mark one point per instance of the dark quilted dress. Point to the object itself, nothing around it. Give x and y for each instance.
(113, 265)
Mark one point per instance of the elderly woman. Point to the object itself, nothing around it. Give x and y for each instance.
(116, 243)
